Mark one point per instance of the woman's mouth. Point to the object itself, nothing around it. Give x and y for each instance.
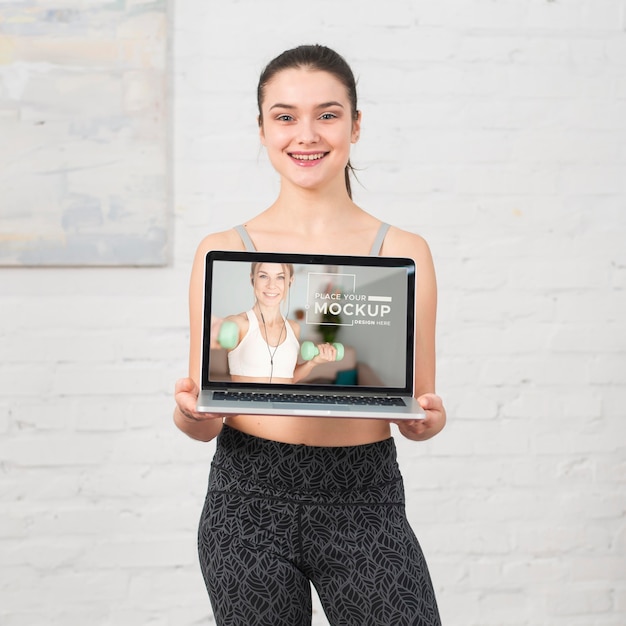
(307, 158)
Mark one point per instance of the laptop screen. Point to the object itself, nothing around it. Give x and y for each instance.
(364, 306)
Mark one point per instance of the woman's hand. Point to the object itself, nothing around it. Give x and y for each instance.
(202, 426)
(429, 426)
(327, 352)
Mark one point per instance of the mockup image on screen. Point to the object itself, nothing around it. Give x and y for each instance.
(361, 310)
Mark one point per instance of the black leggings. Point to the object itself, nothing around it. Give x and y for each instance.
(279, 517)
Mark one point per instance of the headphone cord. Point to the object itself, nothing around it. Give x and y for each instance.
(267, 343)
(283, 329)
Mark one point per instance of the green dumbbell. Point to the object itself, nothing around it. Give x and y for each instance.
(309, 351)
(228, 335)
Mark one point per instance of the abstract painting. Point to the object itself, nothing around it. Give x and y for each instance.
(83, 133)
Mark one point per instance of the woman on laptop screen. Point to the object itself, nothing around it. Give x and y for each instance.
(263, 345)
(295, 501)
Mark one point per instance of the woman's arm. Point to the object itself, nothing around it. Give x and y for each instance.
(201, 426)
(327, 353)
(402, 243)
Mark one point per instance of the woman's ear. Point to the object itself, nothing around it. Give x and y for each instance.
(356, 128)
(261, 131)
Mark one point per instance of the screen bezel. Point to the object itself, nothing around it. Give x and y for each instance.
(309, 259)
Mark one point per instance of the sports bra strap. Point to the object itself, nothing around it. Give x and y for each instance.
(375, 251)
(247, 242)
(380, 237)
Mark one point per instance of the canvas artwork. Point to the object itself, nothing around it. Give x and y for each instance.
(83, 133)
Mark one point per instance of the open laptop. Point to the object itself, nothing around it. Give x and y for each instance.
(369, 301)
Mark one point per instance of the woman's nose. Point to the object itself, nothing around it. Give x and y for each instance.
(308, 131)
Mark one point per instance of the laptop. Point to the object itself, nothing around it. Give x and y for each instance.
(363, 305)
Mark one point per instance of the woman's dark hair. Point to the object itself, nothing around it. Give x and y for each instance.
(313, 57)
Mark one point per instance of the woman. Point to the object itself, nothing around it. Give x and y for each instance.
(267, 342)
(300, 500)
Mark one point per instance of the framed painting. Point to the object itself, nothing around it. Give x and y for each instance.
(83, 125)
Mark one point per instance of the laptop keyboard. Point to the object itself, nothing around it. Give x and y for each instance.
(260, 396)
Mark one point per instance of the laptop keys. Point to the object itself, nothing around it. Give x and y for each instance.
(247, 396)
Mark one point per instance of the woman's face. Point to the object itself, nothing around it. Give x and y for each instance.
(270, 282)
(308, 127)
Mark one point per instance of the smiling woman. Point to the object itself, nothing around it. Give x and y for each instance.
(298, 129)
(281, 486)
(286, 67)
(266, 345)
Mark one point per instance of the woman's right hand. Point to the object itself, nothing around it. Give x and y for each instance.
(202, 426)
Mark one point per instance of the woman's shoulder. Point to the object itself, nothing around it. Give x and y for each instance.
(403, 243)
(224, 240)
(238, 317)
(399, 242)
(241, 320)
(295, 327)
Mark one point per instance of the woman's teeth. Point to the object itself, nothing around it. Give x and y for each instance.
(308, 157)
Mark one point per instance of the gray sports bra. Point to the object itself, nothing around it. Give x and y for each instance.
(375, 251)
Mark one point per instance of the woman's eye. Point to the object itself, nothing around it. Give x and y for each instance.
(284, 118)
(328, 116)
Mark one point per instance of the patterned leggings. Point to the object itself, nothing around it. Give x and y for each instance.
(279, 517)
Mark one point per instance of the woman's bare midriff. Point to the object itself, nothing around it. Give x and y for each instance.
(312, 431)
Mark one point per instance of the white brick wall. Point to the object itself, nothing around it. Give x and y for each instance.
(497, 129)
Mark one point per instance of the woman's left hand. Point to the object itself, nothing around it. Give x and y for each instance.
(327, 353)
(429, 426)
